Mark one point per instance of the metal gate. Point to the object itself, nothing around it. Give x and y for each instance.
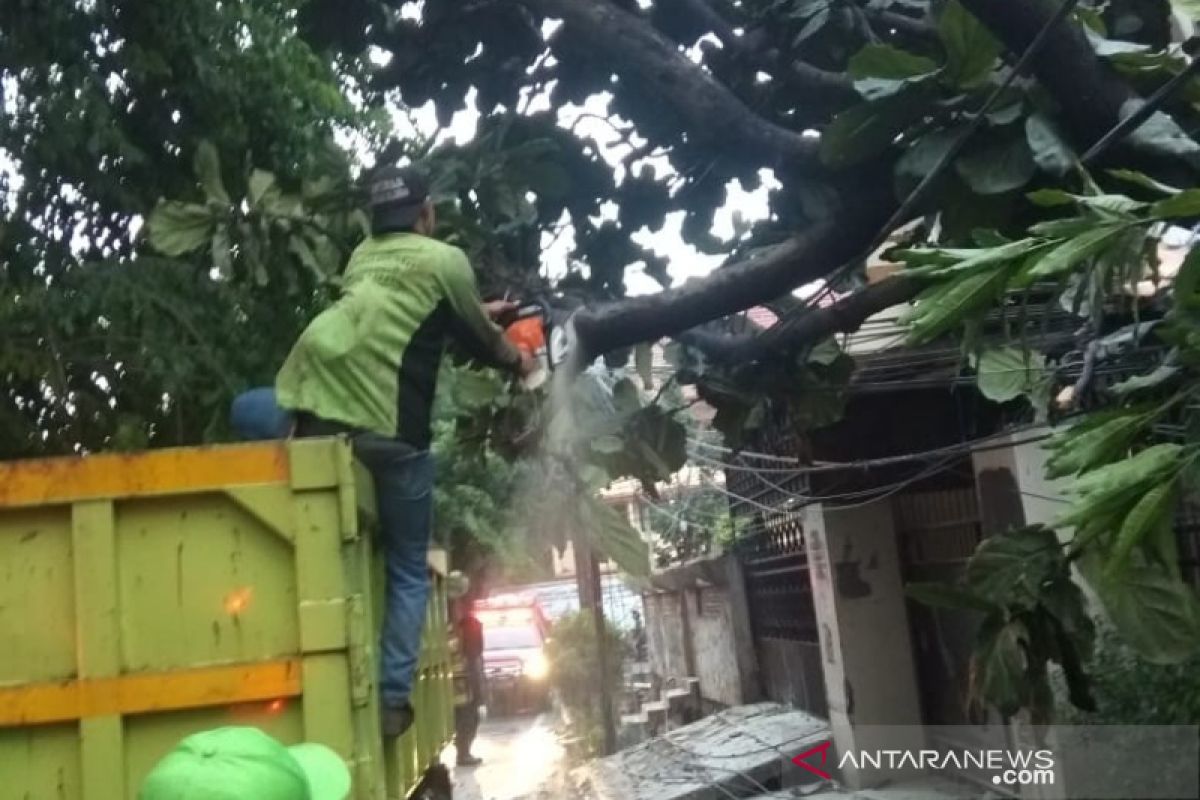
(771, 549)
(938, 531)
(782, 615)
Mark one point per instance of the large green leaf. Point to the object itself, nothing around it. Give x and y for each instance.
(611, 534)
(1143, 180)
(1066, 228)
(298, 245)
(263, 190)
(970, 47)
(1006, 373)
(948, 596)
(1150, 380)
(626, 398)
(880, 70)
(473, 389)
(1146, 467)
(967, 260)
(1154, 611)
(886, 61)
(1073, 251)
(999, 663)
(176, 228)
(1050, 150)
(1160, 135)
(1106, 494)
(1049, 198)
(922, 156)
(1010, 568)
(643, 359)
(866, 129)
(824, 352)
(1153, 510)
(1187, 280)
(1184, 204)
(207, 165)
(948, 305)
(1113, 203)
(663, 441)
(915, 257)
(1064, 600)
(998, 166)
(1082, 448)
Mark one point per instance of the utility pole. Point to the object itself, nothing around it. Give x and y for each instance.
(587, 579)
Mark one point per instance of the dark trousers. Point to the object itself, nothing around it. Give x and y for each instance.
(466, 725)
(466, 716)
(404, 491)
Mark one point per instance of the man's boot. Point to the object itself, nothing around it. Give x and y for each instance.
(397, 719)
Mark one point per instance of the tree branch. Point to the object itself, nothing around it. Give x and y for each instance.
(840, 236)
(1089, 92)
(708, 109)
(822, 82)
(790, 335)
(902, 23)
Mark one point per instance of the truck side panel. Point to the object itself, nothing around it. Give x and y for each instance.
(146, 597)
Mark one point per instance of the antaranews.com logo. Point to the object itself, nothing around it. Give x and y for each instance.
(1007, 767)
(1077, 761)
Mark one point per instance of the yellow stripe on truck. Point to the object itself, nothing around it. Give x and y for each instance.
(40, 703)
(158, 472)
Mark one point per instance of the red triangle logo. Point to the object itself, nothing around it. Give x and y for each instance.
(801, 760)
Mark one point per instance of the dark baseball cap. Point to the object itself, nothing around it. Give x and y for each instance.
(396, 196)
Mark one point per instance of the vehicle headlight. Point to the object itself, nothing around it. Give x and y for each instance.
(536, 667)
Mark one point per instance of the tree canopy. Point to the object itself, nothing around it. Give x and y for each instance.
(178, 197)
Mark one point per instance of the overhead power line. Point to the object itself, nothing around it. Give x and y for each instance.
(801, 467)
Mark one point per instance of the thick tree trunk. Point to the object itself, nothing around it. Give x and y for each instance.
(707, 108)
(1089, 92)
(811, 255)
(806, 327)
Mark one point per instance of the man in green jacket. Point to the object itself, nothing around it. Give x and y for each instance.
(367, 367)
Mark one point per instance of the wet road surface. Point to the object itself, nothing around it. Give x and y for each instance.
(519, 753)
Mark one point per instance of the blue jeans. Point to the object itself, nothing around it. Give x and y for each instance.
(404, 491)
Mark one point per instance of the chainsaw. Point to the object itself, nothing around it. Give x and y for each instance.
(542, 333)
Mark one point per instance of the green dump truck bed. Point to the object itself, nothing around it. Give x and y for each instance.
(144, 597)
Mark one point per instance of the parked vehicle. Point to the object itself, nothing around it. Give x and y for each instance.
(514, 657)
(145, 597)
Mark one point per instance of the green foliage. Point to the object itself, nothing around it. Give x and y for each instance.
(612, 535)
(116, 106)
(1118, 529)
(881, 70)
(1033, 615)
(1098, 440)
(574, 668)
(268, 236)
(1155, 612)
(1132, 691)
(690, 523)
(1050, 150)
(1005, 373)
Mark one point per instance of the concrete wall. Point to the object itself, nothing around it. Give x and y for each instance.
(701, 629)
(664, 636)
(714, 646)
(866, 651)
(1012, 485)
